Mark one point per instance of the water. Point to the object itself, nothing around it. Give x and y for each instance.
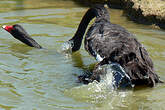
(46, 79)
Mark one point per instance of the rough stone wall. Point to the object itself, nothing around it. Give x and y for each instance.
(146, 11)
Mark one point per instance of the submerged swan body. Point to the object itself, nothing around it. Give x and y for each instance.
(109, 44)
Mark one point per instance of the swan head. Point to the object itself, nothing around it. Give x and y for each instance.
(16, 30)
(7, 28)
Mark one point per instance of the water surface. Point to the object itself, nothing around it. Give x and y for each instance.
(46, 79)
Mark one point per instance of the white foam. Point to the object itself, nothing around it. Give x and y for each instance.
(67, 47)
(107, 80)
(98, 57)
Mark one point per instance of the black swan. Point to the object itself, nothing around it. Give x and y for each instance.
(109, 44)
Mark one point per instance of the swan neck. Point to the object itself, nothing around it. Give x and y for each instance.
(84, 23)
(99, 13)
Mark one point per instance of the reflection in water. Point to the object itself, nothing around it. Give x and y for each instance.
(20, 48)
(77, 60)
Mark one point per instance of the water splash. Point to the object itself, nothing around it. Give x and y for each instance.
(104, 93)
(67, 47)
(114, 76)
(99, 93)
(98, 57)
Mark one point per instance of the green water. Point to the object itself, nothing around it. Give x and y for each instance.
(46, 79)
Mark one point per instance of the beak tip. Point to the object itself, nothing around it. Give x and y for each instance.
(3, 26)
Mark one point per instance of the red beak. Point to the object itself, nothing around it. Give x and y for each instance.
(7, 28)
